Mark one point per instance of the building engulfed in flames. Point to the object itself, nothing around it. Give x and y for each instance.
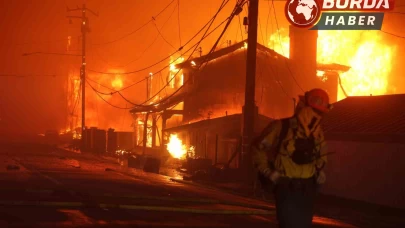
(337, 61)
(296, 60)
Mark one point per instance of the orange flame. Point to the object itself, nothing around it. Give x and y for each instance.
(176, 147)
(369, 57)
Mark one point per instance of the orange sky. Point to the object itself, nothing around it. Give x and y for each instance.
(34, 104)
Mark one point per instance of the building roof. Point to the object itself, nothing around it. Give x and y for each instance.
(165, 103)
(234, 120)
(173, 100)
(367, 115)
(237, 46)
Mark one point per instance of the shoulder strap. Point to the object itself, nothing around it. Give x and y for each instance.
(285, 125)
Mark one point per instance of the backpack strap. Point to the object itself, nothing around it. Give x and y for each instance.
(285, 125)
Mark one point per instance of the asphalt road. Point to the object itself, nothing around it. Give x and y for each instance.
(46, 187)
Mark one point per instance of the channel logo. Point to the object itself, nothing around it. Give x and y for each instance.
(337, 14)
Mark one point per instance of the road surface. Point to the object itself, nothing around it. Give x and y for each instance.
(48, 187)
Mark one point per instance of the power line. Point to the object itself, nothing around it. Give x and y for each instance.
(196, 46)
(159, 71)
(161, 35)
(168, 83)
(49, 53)
(392, 34)
(178, 19)
(147, 48)
(205, 62)
(42, 42)
(94, 81)
(136, 30)
(267, 20)
(279, 37)
(98, 94)
(98, 90)
(28, 75)
(162, 60)
(341, 86)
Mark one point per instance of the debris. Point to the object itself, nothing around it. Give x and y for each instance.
(108, 169)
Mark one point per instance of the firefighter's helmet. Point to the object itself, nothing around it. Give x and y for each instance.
(318, 99)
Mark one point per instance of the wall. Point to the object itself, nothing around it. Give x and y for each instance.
(220, 87)
(202, 135)
(303, 56)
(366, 171)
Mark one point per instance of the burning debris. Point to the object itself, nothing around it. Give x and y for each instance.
(176, 147)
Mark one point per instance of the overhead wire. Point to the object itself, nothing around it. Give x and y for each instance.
(279, 37)
(270, 68)
(168, 83)
(167, 57)
(149, 46)
(205, 62)
(209, 24)
(41, 42)
(165, 67)
(178, 20)
(161, 35)
(136, 30)
(28, 75)
(267, 21)
(99, 95)
(392, 34)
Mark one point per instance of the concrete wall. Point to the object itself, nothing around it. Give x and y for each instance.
(371, 172)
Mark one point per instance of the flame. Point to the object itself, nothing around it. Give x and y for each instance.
(175, 75)
(176, 147)
(369, 57)
(117, 82)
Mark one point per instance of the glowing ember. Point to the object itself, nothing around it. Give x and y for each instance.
(176, 147)
(364, 51)
(176, 73)
(117, 83)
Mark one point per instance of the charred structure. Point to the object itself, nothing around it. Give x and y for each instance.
(213, 86)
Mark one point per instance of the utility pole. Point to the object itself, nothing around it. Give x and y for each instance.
(84, 30)
(250, 108)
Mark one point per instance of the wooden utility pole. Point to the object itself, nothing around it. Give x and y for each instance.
(250, 109)
(84, 30)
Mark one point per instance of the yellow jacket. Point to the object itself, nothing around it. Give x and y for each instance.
(282, 161)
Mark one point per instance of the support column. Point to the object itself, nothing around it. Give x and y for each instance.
(250, 108)
(153, 130)
(145, 133)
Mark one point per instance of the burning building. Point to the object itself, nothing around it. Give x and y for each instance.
(213, 87)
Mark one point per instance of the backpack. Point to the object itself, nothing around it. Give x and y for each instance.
(304, 147)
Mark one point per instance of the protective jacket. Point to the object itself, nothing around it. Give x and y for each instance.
(304, 124)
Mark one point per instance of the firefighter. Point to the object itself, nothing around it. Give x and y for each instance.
(290, 156)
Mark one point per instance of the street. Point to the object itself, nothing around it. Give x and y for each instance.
(48, 187)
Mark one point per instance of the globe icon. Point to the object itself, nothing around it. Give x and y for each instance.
(302, 13)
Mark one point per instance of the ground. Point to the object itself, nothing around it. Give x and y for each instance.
(49, 187)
